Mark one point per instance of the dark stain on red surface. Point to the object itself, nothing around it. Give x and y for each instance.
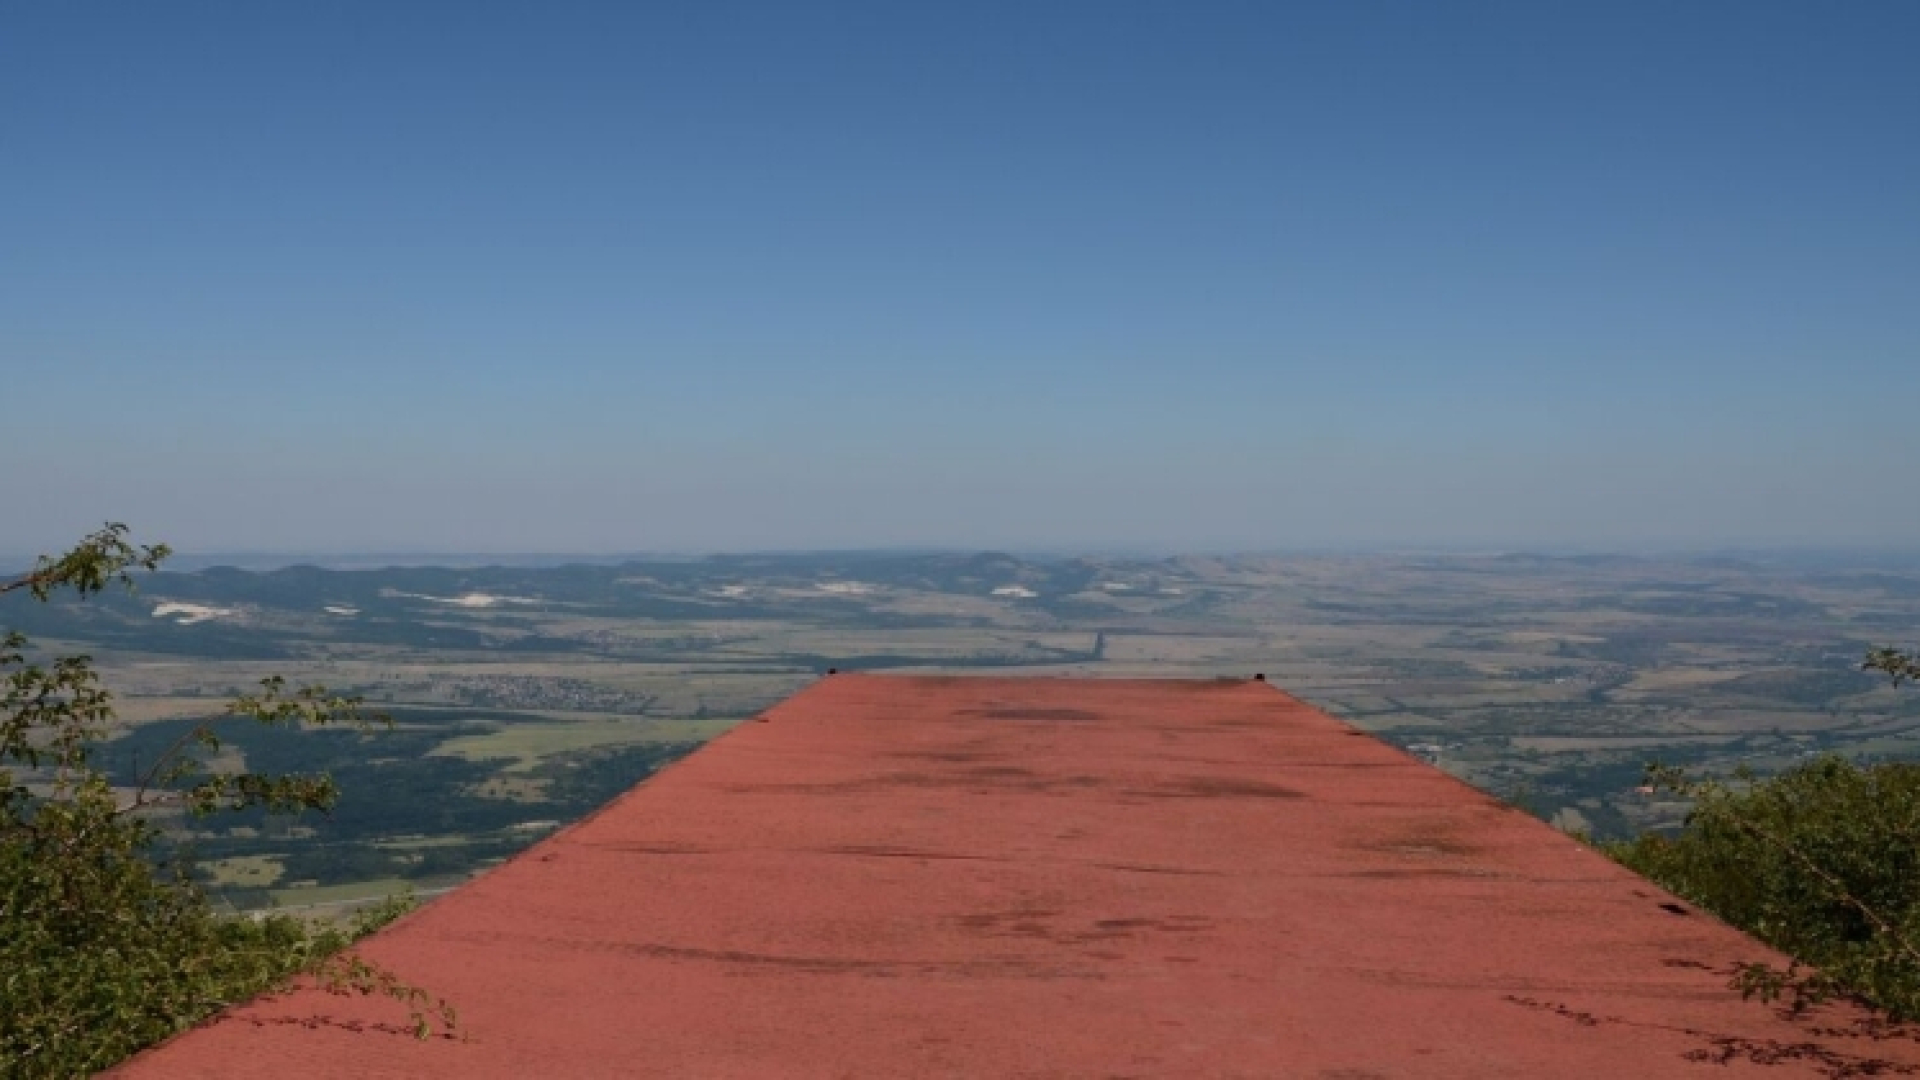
(1053, 716)
(1213, 787)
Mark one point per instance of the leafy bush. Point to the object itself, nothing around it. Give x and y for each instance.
(1821, 861)
(105, 948)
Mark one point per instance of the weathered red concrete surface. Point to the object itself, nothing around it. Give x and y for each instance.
(1022, 877)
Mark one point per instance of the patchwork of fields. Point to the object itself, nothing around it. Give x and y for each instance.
(525, 697)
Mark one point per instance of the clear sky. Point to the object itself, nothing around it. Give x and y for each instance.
(626, 276)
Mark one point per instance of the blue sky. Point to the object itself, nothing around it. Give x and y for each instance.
(593, 277)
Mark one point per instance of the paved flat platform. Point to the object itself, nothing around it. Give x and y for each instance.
(908, 877)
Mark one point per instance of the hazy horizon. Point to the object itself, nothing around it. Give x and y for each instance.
(1900, 558)
(1218, 277)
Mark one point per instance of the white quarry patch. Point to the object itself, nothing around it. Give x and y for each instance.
(479, 600)
(340, 609)
(1018, 592)
(190, 613)
(844, 588)
(474, 599)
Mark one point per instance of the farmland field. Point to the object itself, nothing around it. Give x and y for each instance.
(523, 697)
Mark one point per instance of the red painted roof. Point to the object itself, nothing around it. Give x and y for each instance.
(1048, 877)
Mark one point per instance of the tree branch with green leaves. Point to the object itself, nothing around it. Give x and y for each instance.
(103, 559)
(1899, 666)
(1821, 861)
(109, 947)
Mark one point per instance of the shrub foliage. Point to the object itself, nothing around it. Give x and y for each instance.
(106, 943)
(1821, 861)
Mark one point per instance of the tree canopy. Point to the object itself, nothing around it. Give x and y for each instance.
(1821, 861)
(106, 943)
